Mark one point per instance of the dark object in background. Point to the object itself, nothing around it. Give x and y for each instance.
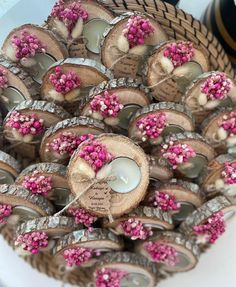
(173, 2)
(220, 18)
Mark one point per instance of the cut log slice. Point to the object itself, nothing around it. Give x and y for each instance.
(178, 119)
(159, 169)
(77, 126)
(198, 103)
(9, 168)
(187, 250)
(60, 191)
(140, 271)
(79, 178)
(169, 83)
(55, 50)
(125, 62)
(132, 95)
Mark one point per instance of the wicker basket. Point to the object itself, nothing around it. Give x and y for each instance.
(178, 25)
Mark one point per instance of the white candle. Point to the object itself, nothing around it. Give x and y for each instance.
(59, 196)
(172, 129)
(21, 213)
(12, 97)
(44, 61)
(127, 174)
(125, 115)
(6, 177)
(186, 209)
(194, 166)
(135, 280)
(93, 32)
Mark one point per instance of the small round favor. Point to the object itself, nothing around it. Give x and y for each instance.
(173, 251)
(128, 41)
(84, 247)
(172, 67)
(152, 123)
(60, 141)
(116, 101)
(125, 269)
(159, 169)
(208, 92)
(35, 48)
(48, 180)
(108, 175)
(9, 168)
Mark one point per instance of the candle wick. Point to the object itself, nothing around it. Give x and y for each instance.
(124, 179)
(2, 177)
(98, 40)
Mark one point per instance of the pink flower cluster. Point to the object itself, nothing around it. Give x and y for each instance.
(64, 82)
(96, 154)
(33, 241)
(163, 253)
(229, 123)
(164, 201)
(69, 14)
(229, 173)
(108, 277)
(38, 184)
(77, 256)
(179, 53)
(81, 215)
(108, 105)
(135, 229)
(27, 45)
(5, 212)
(177, 153)
(152, 126)
(217, 86)
(213, 228)
(137, 30)
(25, 124)
(66, 143)
(3, 79)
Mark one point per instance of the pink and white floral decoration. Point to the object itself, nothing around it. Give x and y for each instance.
(135, 229)
(5, 211)
(164, 201)
(108, 277)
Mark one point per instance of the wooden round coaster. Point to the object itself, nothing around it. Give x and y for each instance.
(159, 169)
(168, 83)
(76, 126)
(9, 168)
(124, 185)
(20, 85)
(186, 250)
(203, 213)
(131, 95)
(140, 271)
(53, 50)
(60, 191)
(176, 119)
(199, 103)
(116, 53)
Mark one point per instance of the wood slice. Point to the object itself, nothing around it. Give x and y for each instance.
(187, 250)
(179, 119)
(9, 168)
(119, 146)
(141, 272)
(190, 98)
(159, 169)
(77, 126)
(111, 58)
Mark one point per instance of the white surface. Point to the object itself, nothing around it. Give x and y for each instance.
(216, 267)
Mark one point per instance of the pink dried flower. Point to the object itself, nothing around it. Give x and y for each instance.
(229, 123)
(229, 173)
(137, 30)
(27, 45)
(25, 124)
(66, 143)
(5, 212)
(3, 78)
(69, 14)
(163, 253)
(33, 241)
(64, 82)
(77, 256)
(81, 215)
(153, 125)
(179, 53)
(217, 86)
(135, 229)
(108, 277)
(108, 105)
(213, 228)
(177, 153)
(164, 201)
(96, 154)
(38, 184)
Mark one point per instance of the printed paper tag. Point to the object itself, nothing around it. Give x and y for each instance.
(168, 91)
(127, 66)
(78, 49)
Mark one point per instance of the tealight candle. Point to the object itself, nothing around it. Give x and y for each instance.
(125, 115)
(12, 97)
(59, 196)
(93, 32)
(127, 175)
(21, 213)
(135, 280)
(194, 166)
(172, 129)
(44, 61)
(186, 208)
(6, 177)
